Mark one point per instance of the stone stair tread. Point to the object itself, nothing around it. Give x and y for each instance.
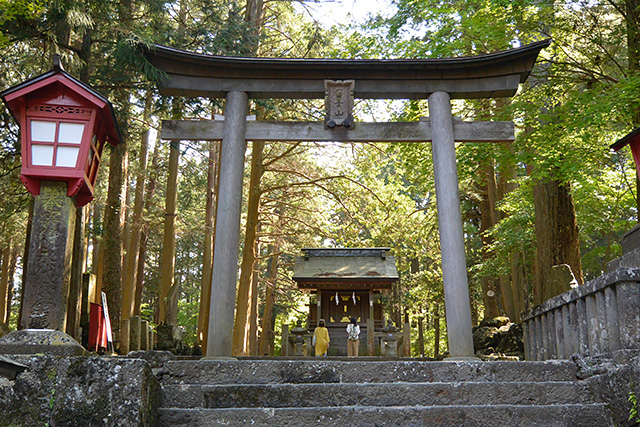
(378, 394)
(327, 371)
(584, 415)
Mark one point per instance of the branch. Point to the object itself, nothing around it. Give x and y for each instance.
(280, 156)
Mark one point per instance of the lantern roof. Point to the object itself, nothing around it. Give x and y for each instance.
(14, 96)
(632, 136)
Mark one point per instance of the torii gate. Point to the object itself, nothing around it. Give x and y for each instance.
(495, 75)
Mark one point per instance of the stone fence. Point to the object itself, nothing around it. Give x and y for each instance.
(598, 317)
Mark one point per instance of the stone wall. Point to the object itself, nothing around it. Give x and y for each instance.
(80, 391)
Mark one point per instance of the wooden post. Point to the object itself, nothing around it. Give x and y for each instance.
(406, 338)
(421, 336)
(454, 269)
(227, 233)
(371, 344)
(319, 307)
(371, 310)
(124, 337)
(284, 344)
(436, 338)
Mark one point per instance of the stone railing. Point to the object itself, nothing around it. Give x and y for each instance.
(596, 318)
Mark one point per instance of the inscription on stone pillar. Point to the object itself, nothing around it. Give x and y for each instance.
(339, 103)
(46, 283)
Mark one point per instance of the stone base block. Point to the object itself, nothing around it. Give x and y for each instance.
(80, 391)
(40, 341)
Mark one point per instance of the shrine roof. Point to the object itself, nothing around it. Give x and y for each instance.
(345, 267)
(198, 74)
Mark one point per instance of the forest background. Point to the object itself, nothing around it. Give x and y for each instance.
(556, 195)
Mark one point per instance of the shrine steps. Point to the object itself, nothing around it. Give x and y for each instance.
(390, 393)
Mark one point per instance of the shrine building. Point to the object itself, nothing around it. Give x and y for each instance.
(345, 283)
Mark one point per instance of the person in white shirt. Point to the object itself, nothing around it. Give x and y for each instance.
(353, 338)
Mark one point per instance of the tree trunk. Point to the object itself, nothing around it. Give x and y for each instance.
(4, 280)
(96, 241)
(112, 237)
(632, 19)
(420, 336)
(207, 256)
(487, 218)
(271, 283)
(74, 303)
(241, 325)
(131, 266)
(556, 233)
(25, 256)
(144, 233)
(252, 343)
(126, 221)
(519, 277)
(506, 289)
(12, 269)
(169, 241)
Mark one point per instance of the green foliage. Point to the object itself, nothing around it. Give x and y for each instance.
(581, 97)
(633, 411)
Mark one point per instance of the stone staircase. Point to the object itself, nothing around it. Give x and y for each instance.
(376, 393)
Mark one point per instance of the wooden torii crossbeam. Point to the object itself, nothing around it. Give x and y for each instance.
(206, 130)
(438, 80)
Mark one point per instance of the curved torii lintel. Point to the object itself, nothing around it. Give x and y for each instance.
(484, 76)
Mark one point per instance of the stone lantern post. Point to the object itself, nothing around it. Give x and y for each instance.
(64, 126)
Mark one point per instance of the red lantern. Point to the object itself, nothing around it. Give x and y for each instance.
(64, 126)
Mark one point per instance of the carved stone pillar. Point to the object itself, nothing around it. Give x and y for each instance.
(46, 282)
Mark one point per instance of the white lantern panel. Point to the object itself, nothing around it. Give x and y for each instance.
(43, 131)
(41, 155)
(70, 133)
(67, 157)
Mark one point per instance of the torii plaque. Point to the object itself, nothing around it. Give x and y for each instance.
(438, 80)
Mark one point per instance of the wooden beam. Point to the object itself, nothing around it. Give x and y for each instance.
(204, 130)
(484, 87)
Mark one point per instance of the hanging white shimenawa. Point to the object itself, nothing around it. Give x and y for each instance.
(354, 297)
(337, 302)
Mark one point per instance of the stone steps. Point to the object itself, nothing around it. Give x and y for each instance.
(314, 370)
(373, 392)
(435, 416)
(379, 394)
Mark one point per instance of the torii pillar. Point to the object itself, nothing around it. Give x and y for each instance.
(454, 267)
(227, 232)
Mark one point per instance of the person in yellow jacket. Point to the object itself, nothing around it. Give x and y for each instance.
(321, 339)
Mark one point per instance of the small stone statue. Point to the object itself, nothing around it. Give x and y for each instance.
(298, 341)
(390, 340)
